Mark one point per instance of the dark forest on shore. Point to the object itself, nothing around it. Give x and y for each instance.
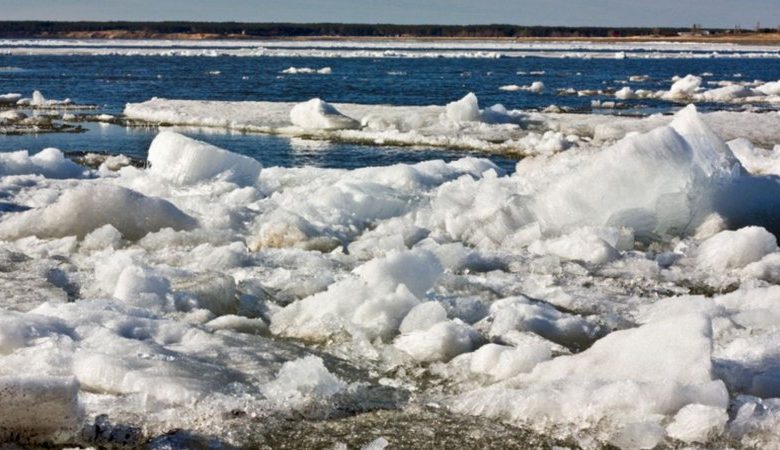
(29, 29)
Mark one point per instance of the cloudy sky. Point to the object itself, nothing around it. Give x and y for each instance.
(709, 13)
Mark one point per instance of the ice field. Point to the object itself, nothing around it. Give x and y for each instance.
(616, 284)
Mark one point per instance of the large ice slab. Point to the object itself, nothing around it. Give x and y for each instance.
(183, 160)
(460, 124)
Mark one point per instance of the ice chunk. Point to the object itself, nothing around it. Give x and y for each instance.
(38, 409)
(727, 94)
(377, 444)
(519, 313)
(373, 301)
(771, 88)
(697, 423)
(684, 87)
(80, 210)
(49, 162)
(666, 177)
(418, 270)
(39, 101)
(423, 316)
(584, 244)
(502, 361)
(10, 98)
(536, 87)
(307, 70)
(735, 249)
(302, 382)
(104, 237)
(464, 110)
(238, 324)
(183, 160)
(441, 342)
(142, 287)
(317, 114)
(625, 93)
(22, 330)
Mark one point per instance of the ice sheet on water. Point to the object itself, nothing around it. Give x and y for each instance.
(460, 124)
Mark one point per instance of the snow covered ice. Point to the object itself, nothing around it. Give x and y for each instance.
(618, 288)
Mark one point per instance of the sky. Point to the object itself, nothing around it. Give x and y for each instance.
(647, 13)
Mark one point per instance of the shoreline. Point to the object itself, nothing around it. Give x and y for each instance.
(770, 39)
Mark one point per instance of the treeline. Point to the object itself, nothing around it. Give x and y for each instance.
(270, 30)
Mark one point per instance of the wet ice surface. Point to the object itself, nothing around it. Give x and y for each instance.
(617, 286)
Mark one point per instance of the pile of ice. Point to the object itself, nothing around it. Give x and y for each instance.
(632, 389)
(690, 89)
(207, 292)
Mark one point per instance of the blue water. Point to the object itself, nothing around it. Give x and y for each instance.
(112, 81)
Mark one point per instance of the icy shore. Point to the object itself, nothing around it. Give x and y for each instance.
(621, 292)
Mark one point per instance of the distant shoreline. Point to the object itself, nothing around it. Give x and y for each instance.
(770, 39)
(374, 32)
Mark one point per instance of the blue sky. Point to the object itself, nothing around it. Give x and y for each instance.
(709, 13)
